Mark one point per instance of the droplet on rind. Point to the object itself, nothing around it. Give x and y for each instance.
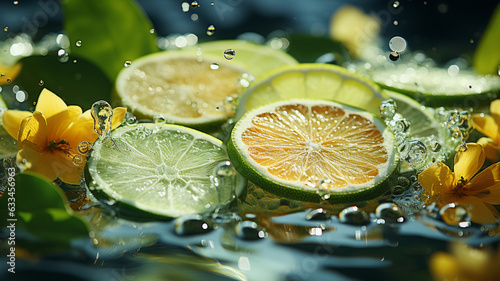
(159, 119)
(229, 54)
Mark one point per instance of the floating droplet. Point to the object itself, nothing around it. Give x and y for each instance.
(63, 55)
(16, 2)
(454, 214)
(395, 22)
(185, 7)
(6, 28)
(84, 147)
(388, 109)
(77, 160)
(195, 5)
(9, 80)
(211, 30)
(318, 215)
(395, 4)
(389, 213)
(75, 61)
(191, 225)
(78, 43)
(41, 82)
(397, 44)
(159, 119)
(249, 230)
(394, 56)
(214, 66)
(152, 31)
(127, 63)
(353, 215)
(102, 113)
(229, 54)
(21, 96)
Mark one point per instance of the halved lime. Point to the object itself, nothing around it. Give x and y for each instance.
(435, 86)
(162, 170)
(194, 87)
(425, 128)
(312, 81)
(304, 149)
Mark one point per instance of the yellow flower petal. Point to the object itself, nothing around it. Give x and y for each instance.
(37, 162)
(59, 123)
(118, 115)
(438, 181)
(12, 120)
(488, 177)
(444, 266)
(495, 111)
(10, 73)
(478, 210)
(486, 125)
(491, 150)
(33, 132)
(49, 104)
(467, 163)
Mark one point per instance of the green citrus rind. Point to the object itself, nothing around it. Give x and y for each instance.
(248, 169)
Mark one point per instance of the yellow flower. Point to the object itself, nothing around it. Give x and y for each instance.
(466, 263)
(48, 138)
(9, 73)
(475, 193)
(490, 127)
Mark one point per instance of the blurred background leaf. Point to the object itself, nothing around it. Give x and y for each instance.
(44, 219)
(81, 83)
(110, 32)
(486, 59)
(307, 48)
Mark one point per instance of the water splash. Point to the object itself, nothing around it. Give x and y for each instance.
(102, 113)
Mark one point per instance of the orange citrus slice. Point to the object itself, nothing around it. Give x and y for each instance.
(306, 149)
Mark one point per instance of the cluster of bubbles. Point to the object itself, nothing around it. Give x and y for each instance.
(458, 124)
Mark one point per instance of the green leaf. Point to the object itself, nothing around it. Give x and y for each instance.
(111, 32)
(306, 48)
(44, 219)
(81, 83)
(486, 59)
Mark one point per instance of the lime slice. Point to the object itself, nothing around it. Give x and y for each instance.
(439, 86)
(8, 145)
(194, 87)
(162, 170)
(303, 149)
(425, 128)
(312, 81)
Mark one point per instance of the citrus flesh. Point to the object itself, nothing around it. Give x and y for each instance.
(312, 81)
(194, 86)
(164, 170)
(303, 148)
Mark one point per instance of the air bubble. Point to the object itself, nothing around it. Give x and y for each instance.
(77, 160)
(63, 55)
(417, 154)
(354, 216)
(453, 214)
(211, 30)
(229, 54)
(127, 63)
(435, 145)
(388, 109)
(84, 147)
(395, 4)
(394, 56)
(389, 213)
(131, 121)
(397, 44)
(41, 82)
(102, 113)
(191, 225)
(249, 230)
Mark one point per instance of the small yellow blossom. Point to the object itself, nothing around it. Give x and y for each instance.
(48, 138)
(489, 125)
(475, 193)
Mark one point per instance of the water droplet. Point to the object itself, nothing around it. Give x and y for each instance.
(41, 82)
(2, 75)
(454, 214)
(194, 17)
(225, 169)
(397, 44)
(195, 5)
(21, 96)
(75, 61)
(211, 30)
(185, 7)
(318, 215)
(84, 147)
(9, 80)
(249, 230)
(63, 55)
(159, 119)
(131, 121)
(398, 190)
(388, 109)
(435, 145)
(152, 31)
(78, 43)
(394, 56)
(127, 63)
(389, 213)
(214, 66)
(395, 22)
(191, 225)
(6, 28)
(229, 54)
(417, 154)
(395, 4)
(102, 113)
(77, 160)
(16, 2)
(354, 216)
(212, 3)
